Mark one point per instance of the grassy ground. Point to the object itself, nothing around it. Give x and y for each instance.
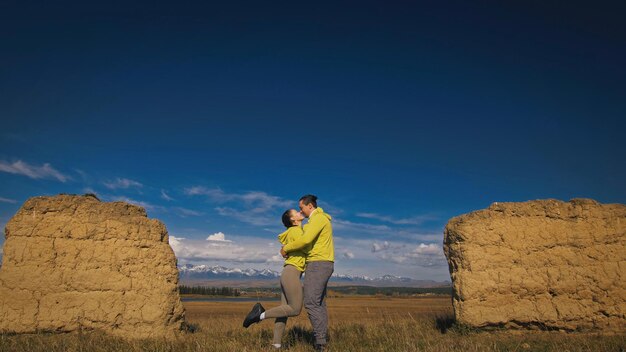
(356, 324)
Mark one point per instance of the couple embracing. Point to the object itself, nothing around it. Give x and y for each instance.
(307, 249)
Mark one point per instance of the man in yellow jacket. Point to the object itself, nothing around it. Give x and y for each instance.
(318, 233)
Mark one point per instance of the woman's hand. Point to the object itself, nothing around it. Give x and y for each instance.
(283, 253)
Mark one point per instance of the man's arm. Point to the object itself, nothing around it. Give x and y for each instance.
(313, 229)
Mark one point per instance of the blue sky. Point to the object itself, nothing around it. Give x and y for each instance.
(398, 116)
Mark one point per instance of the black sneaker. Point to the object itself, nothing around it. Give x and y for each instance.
(254, 316)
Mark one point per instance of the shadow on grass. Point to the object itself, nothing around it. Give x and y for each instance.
(447, 324)
(444, 323)
(190, 328)
(299, 334)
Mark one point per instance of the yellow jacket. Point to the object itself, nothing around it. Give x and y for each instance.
(296, 258)
(318, 232)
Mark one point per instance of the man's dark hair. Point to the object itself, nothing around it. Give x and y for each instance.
(287, 219)
(309, 199)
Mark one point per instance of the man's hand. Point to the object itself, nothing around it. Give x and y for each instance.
(283, 253)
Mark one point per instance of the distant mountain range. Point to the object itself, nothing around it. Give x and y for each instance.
(219, 275)
(190, 271)
(202, 273)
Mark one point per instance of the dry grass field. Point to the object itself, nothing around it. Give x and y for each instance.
(356, 324)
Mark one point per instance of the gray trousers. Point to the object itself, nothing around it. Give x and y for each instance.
(290, 301)
(316, 278)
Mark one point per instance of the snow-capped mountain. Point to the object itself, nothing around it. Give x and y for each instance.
(219, 272)
(204, 272)
(384, 278)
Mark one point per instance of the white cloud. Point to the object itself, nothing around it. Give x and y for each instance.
(238, 249)
(7, 200)
(83, 175)
(256, 252)
(329, 208)
(377, 247)
(425, 255)
(410, 236)
(184, 212)
(348, 255)
(360, 227)
(214, 193)
(146, 205)
(179, 211)
(355, 229)
(415, 220)
(166, 196)
(276, 259)
(255, 207)
(428, 249)
(122, 183)
(218, 237)
(35, 172)
(249, 217)
(375, 253)
(260, 201)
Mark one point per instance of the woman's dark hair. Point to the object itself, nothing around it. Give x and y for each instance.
(309, 199)
(287, 219)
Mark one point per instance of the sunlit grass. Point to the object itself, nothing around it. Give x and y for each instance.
(356, 324)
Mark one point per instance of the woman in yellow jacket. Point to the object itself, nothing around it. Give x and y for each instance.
(291, 296)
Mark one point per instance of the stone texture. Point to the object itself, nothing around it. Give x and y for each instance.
(74, 262)
(540, 264)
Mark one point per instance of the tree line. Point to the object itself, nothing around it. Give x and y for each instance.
(209, 291)
(392, 291)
